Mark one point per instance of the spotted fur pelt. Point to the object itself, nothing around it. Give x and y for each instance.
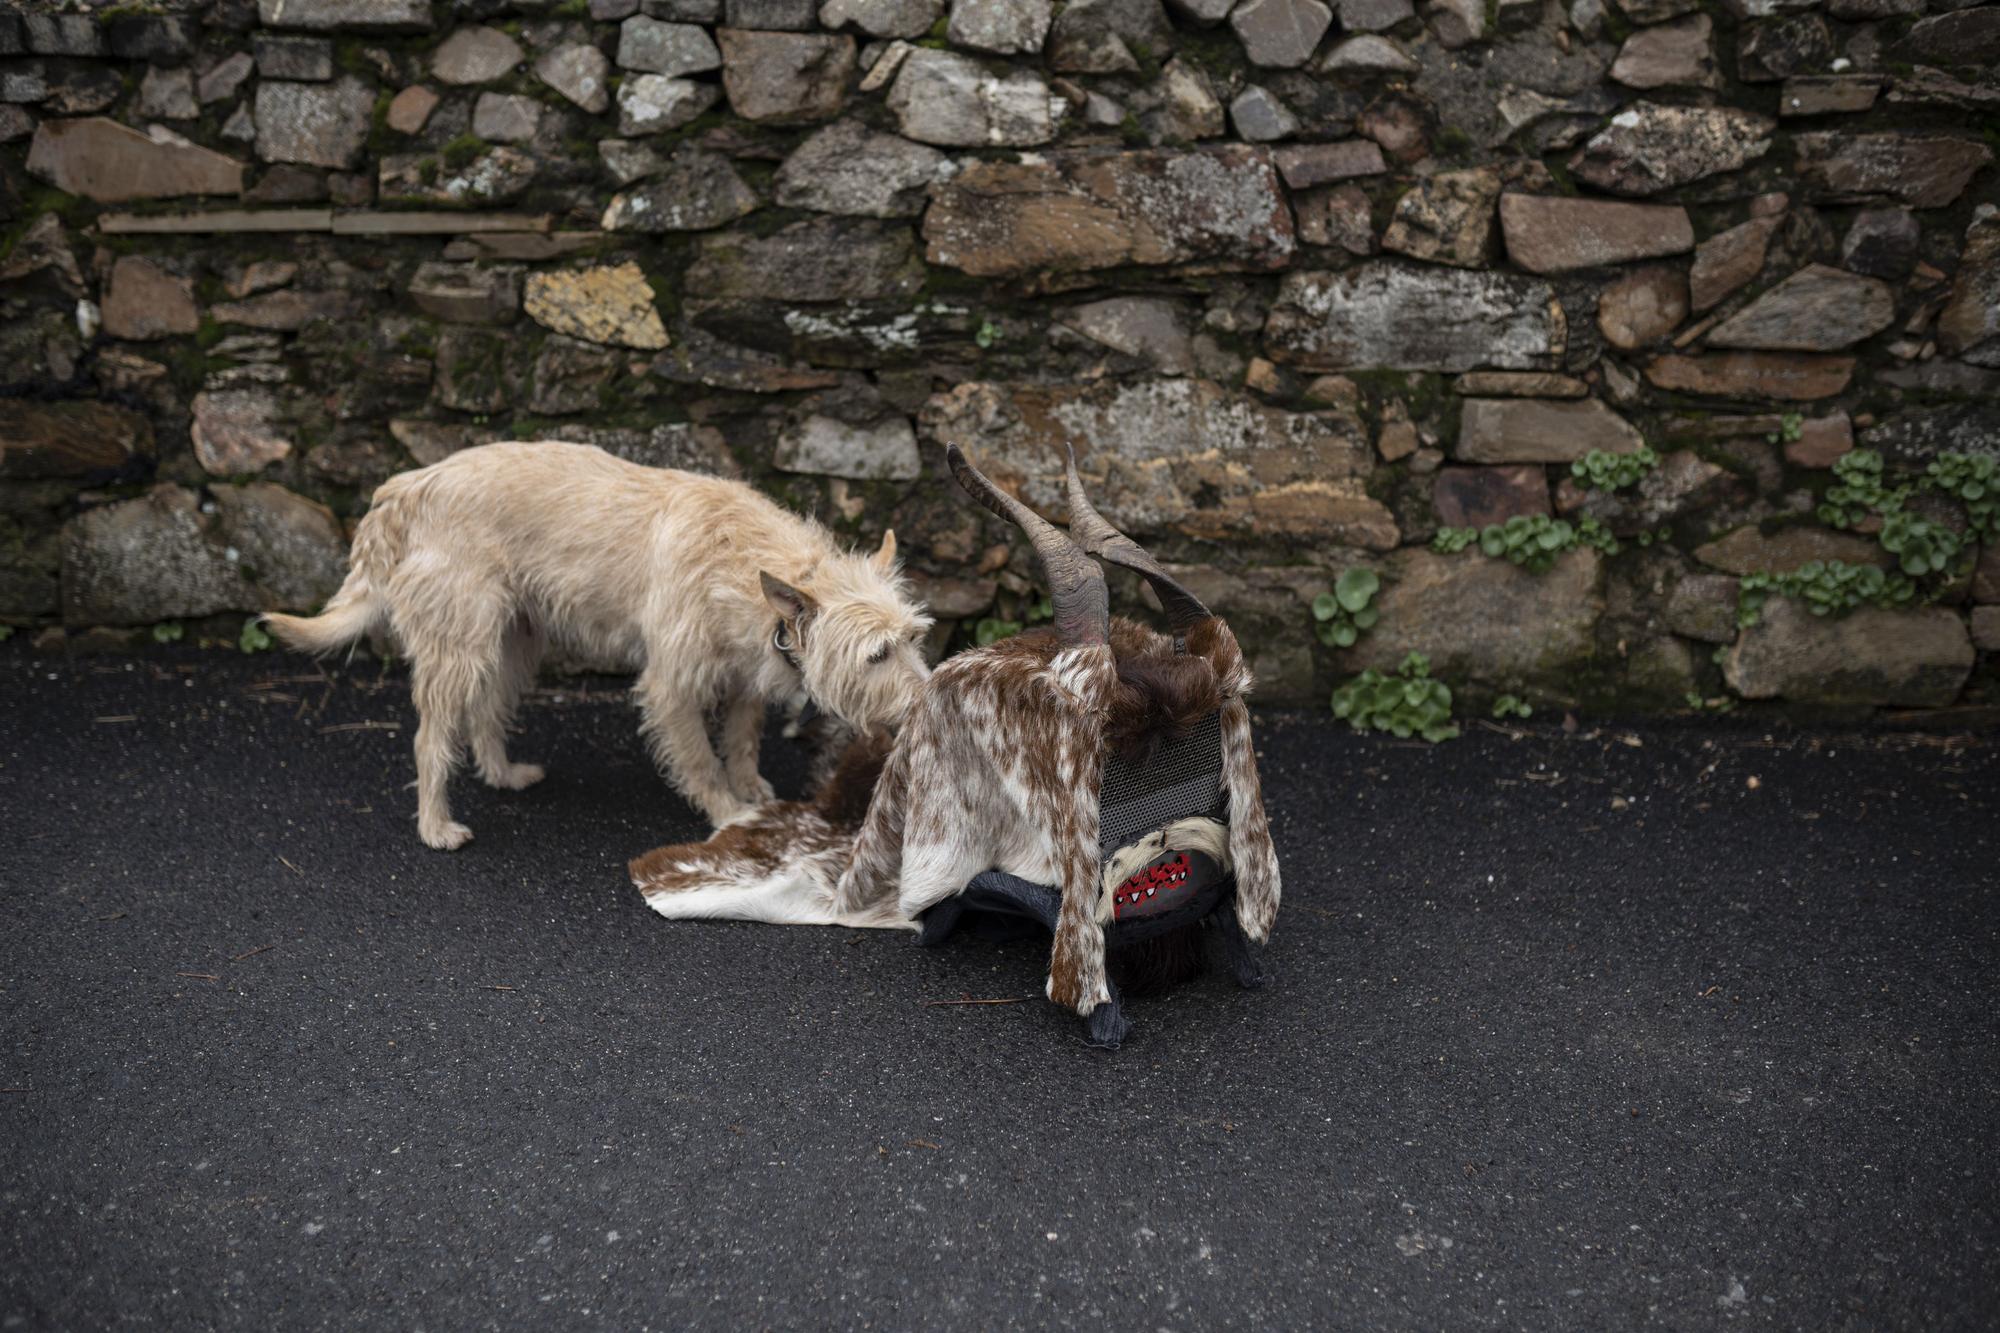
(997, 768)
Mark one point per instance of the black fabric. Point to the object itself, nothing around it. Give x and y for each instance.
(1012, 898)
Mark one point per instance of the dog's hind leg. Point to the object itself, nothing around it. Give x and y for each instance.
(443, 685)
(493, 710)
(451, 627)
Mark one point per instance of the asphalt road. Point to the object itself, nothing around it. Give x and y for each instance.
(1633, 1027)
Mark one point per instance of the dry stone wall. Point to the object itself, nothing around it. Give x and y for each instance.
(1309, 287)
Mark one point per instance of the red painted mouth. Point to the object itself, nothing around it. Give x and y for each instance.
(1157, 887)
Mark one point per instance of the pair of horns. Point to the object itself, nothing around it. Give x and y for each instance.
(1076, 582)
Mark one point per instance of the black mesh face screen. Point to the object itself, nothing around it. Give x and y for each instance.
(1183, 778)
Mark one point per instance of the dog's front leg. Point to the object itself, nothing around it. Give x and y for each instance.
(676, 731)
(742, 733)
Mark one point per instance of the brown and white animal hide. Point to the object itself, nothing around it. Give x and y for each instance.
(997, 767)
(780, 864)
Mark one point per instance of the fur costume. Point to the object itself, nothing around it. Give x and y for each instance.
(999, 768)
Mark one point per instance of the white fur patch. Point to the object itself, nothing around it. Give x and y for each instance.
(796, 895)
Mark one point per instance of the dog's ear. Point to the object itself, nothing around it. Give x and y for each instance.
(884, 559)
(787, 601)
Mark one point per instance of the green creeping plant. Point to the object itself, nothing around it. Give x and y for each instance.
(1790, 427)
(1450, 541)
(1859, 491)
(1534, 541)
(168, 631)
(992, 630)
(1603, 471)
(253, 639)
(1343, 615)
(1406, 704)
(1508, 705)
(1974, 481)
(1827, 587)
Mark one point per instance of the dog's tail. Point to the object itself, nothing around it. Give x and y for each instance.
(353, 612)
(358, 607)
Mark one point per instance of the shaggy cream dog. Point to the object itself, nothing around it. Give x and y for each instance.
(727, 601)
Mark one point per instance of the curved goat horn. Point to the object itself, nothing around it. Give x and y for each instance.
(1076, 582)
(1089, 530)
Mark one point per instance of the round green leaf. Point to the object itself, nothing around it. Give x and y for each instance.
(1355, 587)
(1324, 606)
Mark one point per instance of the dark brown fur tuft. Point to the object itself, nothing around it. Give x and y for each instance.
(842, 800)
(1160, 963)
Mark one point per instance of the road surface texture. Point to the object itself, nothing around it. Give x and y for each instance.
(1675, 1028)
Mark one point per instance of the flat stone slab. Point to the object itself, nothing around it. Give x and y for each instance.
(1748, 550)
(1472, 497)
(785, 78)
(1554, 233)
(111, 163)
(881, 451)
(315, 124)
(1828, 94)
(1969, 324)
(1406, 317)
(143, 301)
(1484, 620)
(362, 15)
(1791, 378)
(1914, 659)
(610, 304)
(1280, 34)
(70, 439)
(366, 222)
(1306, 165)
(1727, 260)
(146, 560)
(849, 168)
(1920, 170)
(218, 221)
(820, 259)
(1068, 212)
(1537, 430)
(1185, 455)
(1649, 147)
(1817, 309)
(475, 54)
(953, 101)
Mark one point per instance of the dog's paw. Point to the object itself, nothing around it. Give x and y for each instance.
(515, 777)
(446, 837)
(757, 792)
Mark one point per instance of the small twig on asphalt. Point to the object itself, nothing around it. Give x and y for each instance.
(499, 988)
(199, 976)
(112, 916)
(122, 717)
(921, 1143)
(13, 1089)
(289, 866)
(360, 726)
(262, 948)
(1019, 999)
(1511, 733)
